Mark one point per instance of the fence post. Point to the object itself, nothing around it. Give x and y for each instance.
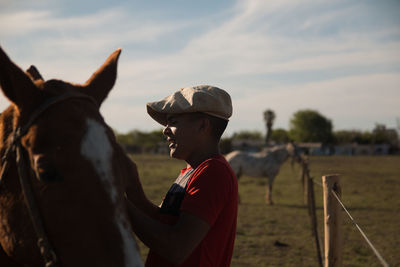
(332, 221)
(313, 217)
(304, 178)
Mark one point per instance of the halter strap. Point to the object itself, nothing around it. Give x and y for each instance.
(21, 131)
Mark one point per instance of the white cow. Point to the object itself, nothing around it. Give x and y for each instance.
(266, 163)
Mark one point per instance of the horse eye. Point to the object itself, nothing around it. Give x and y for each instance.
(46, 171)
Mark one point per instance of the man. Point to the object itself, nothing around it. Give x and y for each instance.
(196, 223)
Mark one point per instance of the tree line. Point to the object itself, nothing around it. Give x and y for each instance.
(305, 126)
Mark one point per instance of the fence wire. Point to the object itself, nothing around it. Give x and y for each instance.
(378, 255)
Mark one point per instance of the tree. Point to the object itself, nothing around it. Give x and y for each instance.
(352, 136)
(249, 135)
(280, 136)
(310, 126)
(143, 140)
(382, 135)
(269, 117)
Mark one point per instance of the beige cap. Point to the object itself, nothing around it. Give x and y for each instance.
(202, 98)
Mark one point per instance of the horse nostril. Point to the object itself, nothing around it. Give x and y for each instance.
(50, 175)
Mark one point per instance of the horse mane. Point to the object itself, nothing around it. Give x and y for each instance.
(280, 154)
(7, 122)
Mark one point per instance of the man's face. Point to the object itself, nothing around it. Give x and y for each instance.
(182, 132)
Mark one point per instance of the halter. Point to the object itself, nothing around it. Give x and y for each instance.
(15, 148)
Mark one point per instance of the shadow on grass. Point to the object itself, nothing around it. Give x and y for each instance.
(292, 206)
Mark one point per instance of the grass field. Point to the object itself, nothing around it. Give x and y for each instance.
(280, 235)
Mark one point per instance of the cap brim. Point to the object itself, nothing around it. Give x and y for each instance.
(159, 117)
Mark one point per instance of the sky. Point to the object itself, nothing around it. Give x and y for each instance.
(340, 58)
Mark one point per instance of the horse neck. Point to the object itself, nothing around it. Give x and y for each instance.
(281, 155)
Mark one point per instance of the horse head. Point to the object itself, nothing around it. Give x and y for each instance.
(294, 153)
(75, 168)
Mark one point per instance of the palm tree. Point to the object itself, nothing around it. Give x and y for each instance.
(269, 117)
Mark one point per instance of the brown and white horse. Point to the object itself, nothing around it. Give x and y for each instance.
(74, 168)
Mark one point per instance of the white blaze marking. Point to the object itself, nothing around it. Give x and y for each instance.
(97, 148)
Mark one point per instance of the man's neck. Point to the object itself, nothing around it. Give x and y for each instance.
(203, 155)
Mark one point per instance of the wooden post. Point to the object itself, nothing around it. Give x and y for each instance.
(313, 217)
(304, 178)
(333, 221)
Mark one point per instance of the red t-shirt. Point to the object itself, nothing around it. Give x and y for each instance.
(211, 194)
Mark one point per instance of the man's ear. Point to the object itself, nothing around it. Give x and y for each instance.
(205, 124)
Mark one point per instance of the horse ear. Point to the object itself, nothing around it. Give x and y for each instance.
(15, 83)
(34, 73)
(102, 81)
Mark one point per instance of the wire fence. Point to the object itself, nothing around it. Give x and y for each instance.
(378, 255)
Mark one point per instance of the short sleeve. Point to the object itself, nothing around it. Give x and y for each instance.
(208, 190)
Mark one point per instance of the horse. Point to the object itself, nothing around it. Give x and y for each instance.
(63, 175)
(266, 163)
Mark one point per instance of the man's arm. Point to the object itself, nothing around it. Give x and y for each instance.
(173, 242)
(136, 196)
(134, 190)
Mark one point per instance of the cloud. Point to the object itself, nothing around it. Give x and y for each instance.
(32, 21)
(282, 55)
(344, 100)
(240, 46)
(353, 102)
